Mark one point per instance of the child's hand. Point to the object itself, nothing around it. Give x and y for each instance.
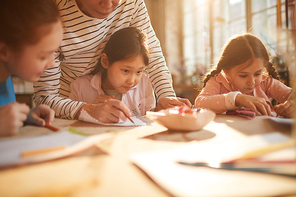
(110, 111)
(285, 109)
(103, 98)
(40, 115)
(12, 117)
(168, 102)
(256, 104)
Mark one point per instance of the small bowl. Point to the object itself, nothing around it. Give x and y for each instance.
(174, 120)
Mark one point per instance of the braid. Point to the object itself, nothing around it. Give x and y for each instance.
(211, 74)
(271, 70)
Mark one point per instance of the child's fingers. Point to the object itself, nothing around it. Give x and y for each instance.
(252, 107)
(38, 121)
(23, 108)
(40, 115)
(264, 110)
(114, 110)
(288, 113)
(286, 109)
(46, 113)
(118, 105)
(109, 117)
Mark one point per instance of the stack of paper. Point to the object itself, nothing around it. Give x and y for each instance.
(42, 148)
(196, 179)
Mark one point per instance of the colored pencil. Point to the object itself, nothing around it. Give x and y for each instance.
(41, 151)
(129, 118)
(52, 127)
(268, 149)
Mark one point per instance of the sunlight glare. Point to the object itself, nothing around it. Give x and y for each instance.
(234, 1)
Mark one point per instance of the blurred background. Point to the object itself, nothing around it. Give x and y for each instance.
(193, 32)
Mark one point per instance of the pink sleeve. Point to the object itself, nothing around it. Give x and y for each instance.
(211, 98)
(277, 90)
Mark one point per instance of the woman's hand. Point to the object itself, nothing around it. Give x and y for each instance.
(256, 104)
(12, 117)
(110, 111)
(169, 102)
(285, 109)
(40, 115)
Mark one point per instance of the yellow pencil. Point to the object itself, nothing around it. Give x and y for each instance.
(41, 151)
(270, 148)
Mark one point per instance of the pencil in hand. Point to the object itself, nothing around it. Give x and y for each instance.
(288, 98)
(129, 118)
(51, 127)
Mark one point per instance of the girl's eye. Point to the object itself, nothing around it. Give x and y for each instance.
(139, 72)
(257, 74)
(242, 76)
(125, 71)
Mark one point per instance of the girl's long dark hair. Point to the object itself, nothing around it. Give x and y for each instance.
(124, 44)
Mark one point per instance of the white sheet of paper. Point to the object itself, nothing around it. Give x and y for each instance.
(288, 121)
(225, 151)
(84, 116)
(11, 149)
(184, 180)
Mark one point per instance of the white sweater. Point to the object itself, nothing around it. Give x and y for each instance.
(84, 39)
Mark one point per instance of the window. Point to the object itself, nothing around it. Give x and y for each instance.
(196, 44)
(209, 24)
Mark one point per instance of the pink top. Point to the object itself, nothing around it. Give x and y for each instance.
(138, 99)
(219, 96)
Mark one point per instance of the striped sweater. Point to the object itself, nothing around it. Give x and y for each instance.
(84, 39)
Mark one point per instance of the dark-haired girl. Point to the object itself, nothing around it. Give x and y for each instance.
(118, 82)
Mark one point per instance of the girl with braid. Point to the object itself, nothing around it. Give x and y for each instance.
(245, 78)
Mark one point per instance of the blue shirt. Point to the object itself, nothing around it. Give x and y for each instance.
(7, 94)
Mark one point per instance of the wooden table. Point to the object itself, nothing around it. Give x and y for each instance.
(107, 170)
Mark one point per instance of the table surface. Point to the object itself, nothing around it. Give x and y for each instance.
(105, 169)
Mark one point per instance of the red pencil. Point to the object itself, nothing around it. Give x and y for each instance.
(51, 127)
(130, 119)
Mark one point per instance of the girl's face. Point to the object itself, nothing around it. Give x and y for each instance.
(33, 60)
(247, 76)
(124, 74)
(97, 8)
